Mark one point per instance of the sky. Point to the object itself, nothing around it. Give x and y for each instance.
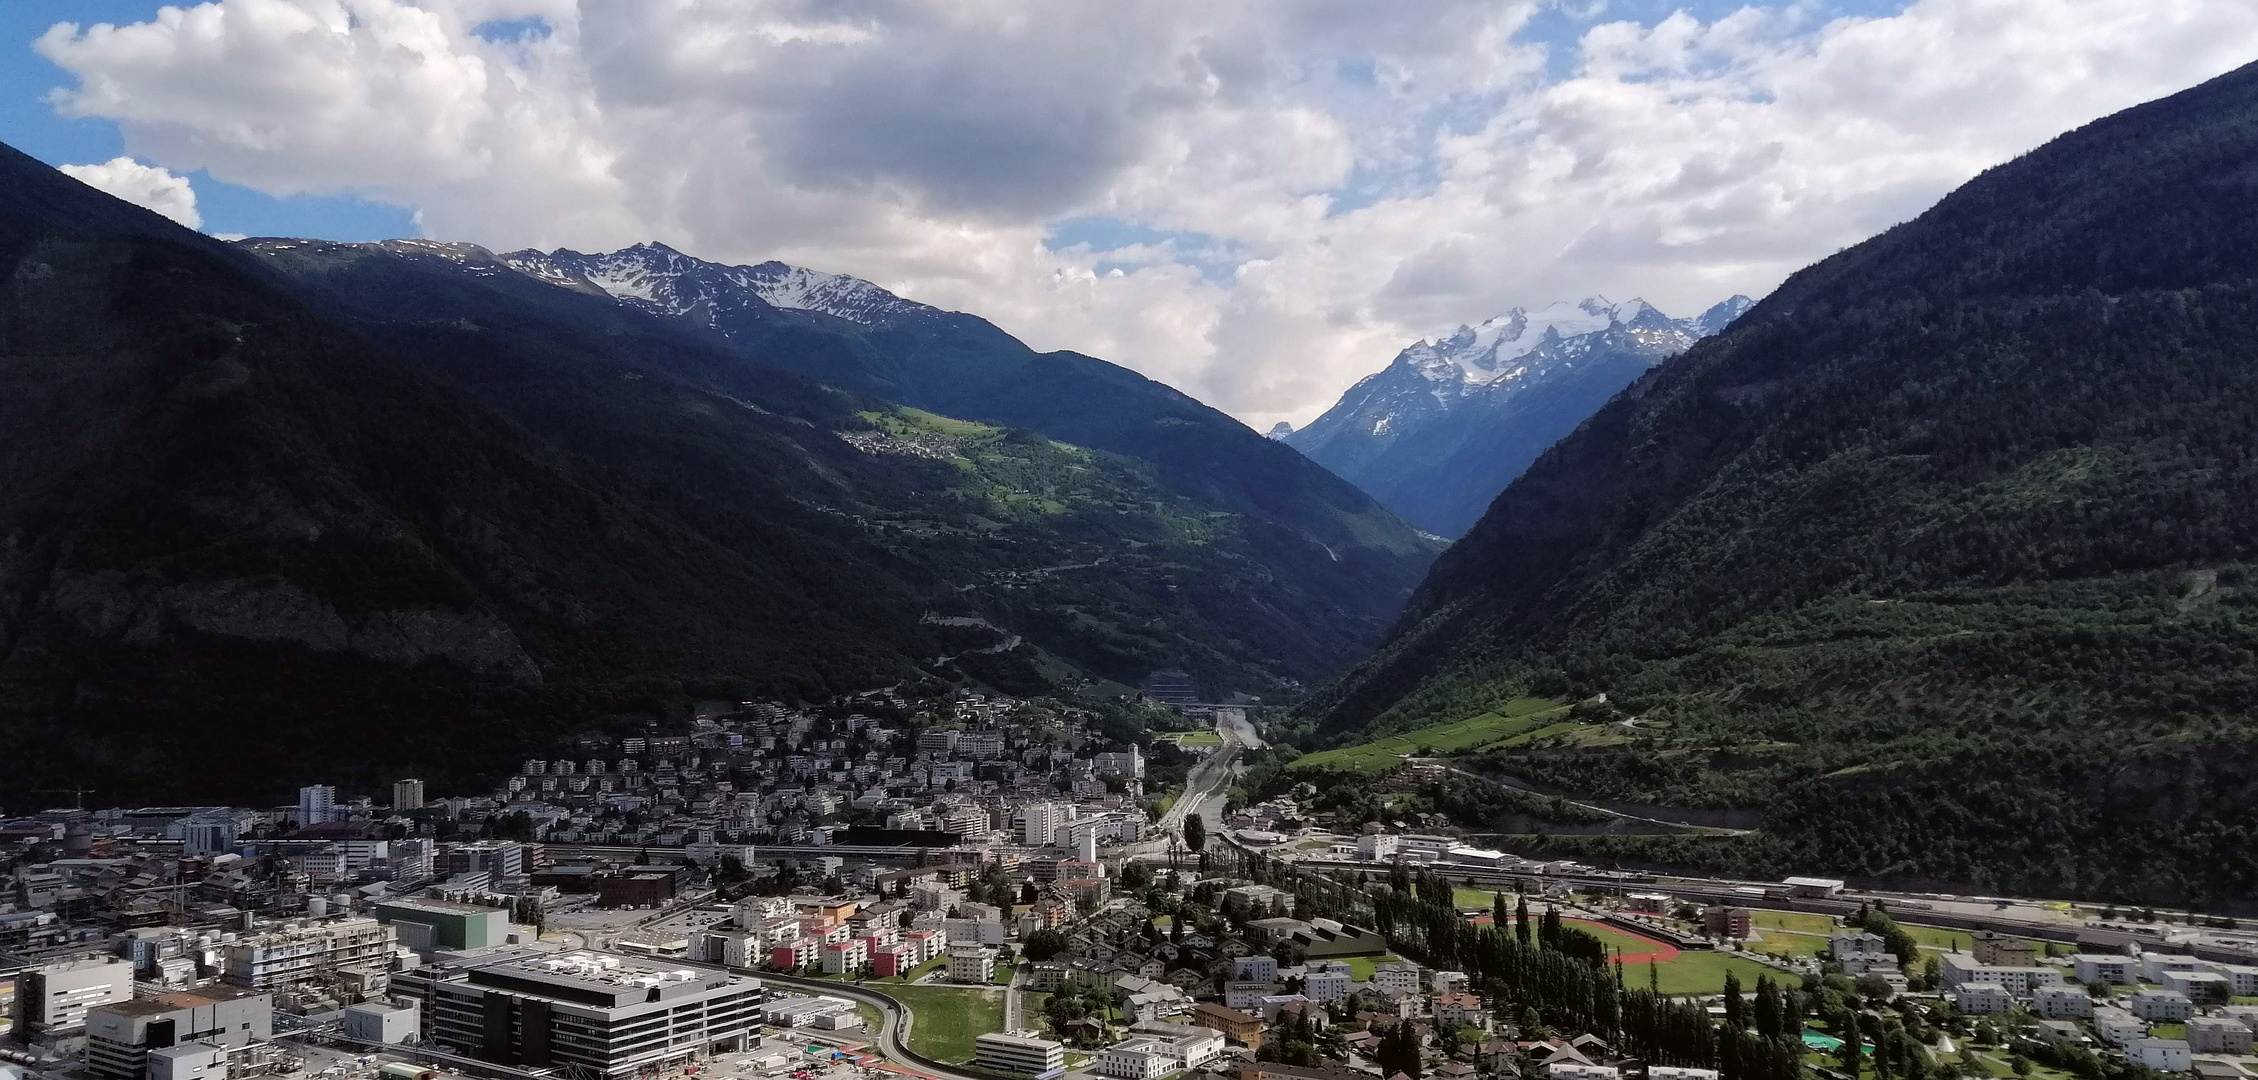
(1258, 202)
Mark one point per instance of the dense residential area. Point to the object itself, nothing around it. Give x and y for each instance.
(450, 631)
(977, 885)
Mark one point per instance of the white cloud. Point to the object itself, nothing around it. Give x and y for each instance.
(1363, 176)
(146, 186)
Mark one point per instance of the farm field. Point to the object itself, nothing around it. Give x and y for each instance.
(1518, 721)
(948, 1020)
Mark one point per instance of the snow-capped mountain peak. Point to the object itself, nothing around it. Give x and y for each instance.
(1443, 428)
(655, 277)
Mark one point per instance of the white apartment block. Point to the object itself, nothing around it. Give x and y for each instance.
(1982, 999)
(1326, 987)
(971, 964)
(1396, 978)
(1244, 994)
(2161, 1006)
(2062, 1002)
(1255, 969)
(2162, 1055)
(2154, 965)
(2198, 985)
(2218, 1035)
(2117, 1027)
(2106, 967)
(1024, 1052)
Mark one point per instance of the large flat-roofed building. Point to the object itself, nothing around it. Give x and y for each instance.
(55, 998)
(120, 1037)
(1023, 1053)
(302, 954)
(424, 924)
(605, 1014)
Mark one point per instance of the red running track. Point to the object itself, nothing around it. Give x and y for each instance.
(1662, 953)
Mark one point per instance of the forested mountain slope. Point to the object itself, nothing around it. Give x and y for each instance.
(1314, 528)
(1093, 556)
(261, 502)
(235, 538)
(1940, 556)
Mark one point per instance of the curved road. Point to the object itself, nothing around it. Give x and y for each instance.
(896, 1019)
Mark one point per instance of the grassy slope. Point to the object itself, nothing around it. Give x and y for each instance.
(950, 1019)
(1519, 721)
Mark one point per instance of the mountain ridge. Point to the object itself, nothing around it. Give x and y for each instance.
(1941, 555)
(1450, 421)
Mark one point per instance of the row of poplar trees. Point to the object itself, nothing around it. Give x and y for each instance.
(1560, 974)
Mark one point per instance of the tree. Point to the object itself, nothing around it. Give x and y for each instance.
(1736, 1010)
(1768, 1008)
(1044, 944)
(1853, 1045)
(1195, 832)
(1028, 894)
(1135, 875)
(1398, 1051)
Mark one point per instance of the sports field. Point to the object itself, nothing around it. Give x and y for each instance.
(1633, 948)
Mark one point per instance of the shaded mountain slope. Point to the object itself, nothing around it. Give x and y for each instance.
(235, 539)
(976, 519)
(1940, 555)
(1313, 526)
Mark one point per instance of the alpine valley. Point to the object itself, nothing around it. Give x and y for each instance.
(1937, 565)
(256, 497)
(1439, 432)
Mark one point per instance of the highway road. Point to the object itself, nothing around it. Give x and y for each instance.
(1209, 783)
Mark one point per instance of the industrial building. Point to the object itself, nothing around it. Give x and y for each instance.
(307, 952)
(121, 1038)
(601, 1013)
(424, 925)
(382, 1022)
(54, 999)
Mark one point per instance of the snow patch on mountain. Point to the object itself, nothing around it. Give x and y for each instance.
(658, 278)
(1483, 398)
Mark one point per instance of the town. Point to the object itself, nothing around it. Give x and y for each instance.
(979, 886)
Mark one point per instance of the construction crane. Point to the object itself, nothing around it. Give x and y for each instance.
(78, 795)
